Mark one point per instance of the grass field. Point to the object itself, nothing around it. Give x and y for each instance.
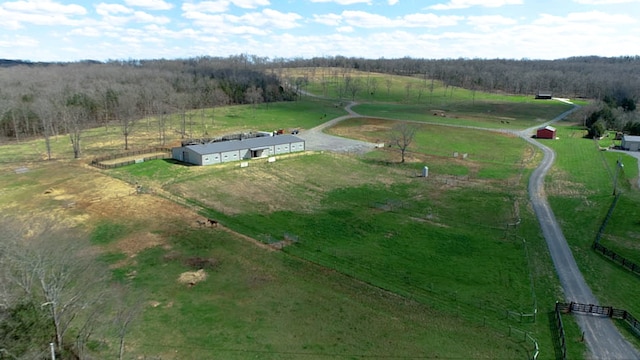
(378, 263)
(580, 189)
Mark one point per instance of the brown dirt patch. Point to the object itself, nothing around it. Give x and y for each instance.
(133, 244)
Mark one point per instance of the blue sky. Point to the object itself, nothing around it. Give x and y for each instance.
(70, 30)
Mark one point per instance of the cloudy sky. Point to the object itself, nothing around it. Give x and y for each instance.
(70, 30)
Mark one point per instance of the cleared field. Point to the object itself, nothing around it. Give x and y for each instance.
(379, 262)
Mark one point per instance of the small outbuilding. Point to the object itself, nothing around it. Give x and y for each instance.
(235, 150)
(544, 95)
(547, 132)
(630, 142)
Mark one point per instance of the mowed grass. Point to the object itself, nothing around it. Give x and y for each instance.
(581, 188)
(492, 114)
(419, 99)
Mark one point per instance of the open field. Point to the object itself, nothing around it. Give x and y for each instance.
(378, 262)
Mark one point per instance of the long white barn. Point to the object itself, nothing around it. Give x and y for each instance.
(235, 150)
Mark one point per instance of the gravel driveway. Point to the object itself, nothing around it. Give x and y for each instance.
(602, 338)
(315, 139)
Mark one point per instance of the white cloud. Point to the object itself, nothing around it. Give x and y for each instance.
(488, 22)
(13, 15)
(150, 4)
(267, 18)
(328, 19)
(108, 9)
(344, 2)
(345, 29)
(43, 7)
(463, 4)
(428, 20)
(250, 4)
(206, 6)
(18, 42)
(143, 17)
(362, 19)
(365, 20)
(392, 2)
(595, 18)
(605, 2)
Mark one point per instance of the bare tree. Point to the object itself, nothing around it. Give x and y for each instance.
(49, 269)
(353, 86)
(401, 136)
(76, 108)
(253, 96)
(128, 308)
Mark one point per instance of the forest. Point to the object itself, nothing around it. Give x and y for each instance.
(46, 99)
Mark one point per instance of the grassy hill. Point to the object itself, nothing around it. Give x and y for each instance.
(376, 262)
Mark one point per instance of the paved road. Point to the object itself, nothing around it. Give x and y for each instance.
(601, 336)
(603, 339)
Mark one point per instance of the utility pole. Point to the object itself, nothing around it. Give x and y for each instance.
(619, 166)
(53, 351)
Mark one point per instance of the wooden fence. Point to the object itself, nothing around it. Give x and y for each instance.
(601, 310)
(618, 259)
(526, 336)
(98, 161)
(603, 226)
(561, 336)
(610, 254)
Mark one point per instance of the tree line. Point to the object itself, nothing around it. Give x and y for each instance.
(47, 99)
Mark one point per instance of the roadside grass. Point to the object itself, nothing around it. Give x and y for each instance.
(580, 192)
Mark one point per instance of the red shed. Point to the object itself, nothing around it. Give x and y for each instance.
(547, 132)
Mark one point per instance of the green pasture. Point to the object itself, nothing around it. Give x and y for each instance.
(377, 222)
(271, 305)
(379, 262)
(580, 192)
(513, 113)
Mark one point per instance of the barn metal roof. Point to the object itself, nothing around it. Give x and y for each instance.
(550, 128)
(631, 138)
(251, 143)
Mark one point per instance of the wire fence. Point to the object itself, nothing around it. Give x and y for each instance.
(99, 161)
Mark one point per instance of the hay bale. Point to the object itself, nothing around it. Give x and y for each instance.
(192, 277)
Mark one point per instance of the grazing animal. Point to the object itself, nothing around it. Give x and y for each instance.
(212, 222)
(201, 222)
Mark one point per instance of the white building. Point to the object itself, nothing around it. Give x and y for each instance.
(630, 142)
(235, 150)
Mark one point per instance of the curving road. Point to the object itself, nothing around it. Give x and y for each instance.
(316, 139)
(603, 339)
